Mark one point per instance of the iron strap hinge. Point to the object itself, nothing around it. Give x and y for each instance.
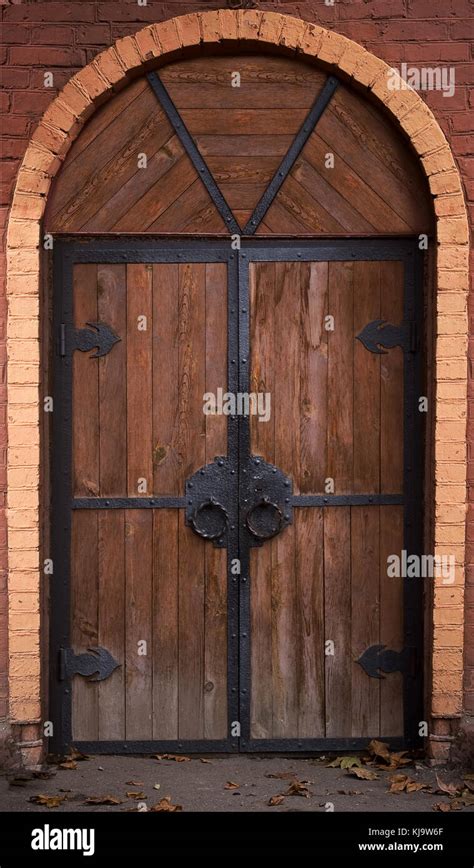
(96, 664)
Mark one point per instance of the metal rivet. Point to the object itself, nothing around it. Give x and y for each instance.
(244, 579)
(232, 527)
(220, 463)
(244, 361)
(232, 361)
(190, 502)
(287, 499)
(244, 310)
(370, 499)
(190, 484)
(232, 472)
(107, 502)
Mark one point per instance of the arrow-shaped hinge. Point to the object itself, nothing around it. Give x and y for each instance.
(378, 658)
(379, 336)
(97, 662)
(98, 335)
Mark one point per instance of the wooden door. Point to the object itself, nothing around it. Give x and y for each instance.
(140, 617)
(332, 340)
(221, 580)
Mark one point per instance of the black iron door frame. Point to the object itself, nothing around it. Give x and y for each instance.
(236, 468)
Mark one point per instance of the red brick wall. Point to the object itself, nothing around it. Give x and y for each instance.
(61, 37)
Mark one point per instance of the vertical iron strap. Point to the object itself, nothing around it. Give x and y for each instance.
(192, 151)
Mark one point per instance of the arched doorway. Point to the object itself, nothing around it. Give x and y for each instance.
(281, 643)
(315, 243)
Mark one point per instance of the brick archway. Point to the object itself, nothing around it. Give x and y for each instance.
(112, 69)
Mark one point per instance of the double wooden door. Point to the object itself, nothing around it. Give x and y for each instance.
(220, 578)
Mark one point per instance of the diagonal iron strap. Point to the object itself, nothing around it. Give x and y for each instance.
(285, 167)
(192, 151)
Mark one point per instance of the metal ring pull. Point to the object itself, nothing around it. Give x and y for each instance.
(205, 520)
(262, 506)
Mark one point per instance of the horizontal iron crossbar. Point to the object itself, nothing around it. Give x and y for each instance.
(286, 165)
(192, 151)
(128, 503)
(347, 499)
(222, 746)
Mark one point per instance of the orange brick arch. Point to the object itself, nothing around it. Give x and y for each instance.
(151, 47)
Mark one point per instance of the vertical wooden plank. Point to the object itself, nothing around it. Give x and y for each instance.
(215, 669)
(337, 617)
(85, 417)
(192, 455)
(365, 605)
(262, 353)
(391, 383)
(112, 309)
(165, 623)
(216, 354)
(84, 621)
(366, 381)
(191, 632)
(139, 380)
(391, 619)
(309, 639)
(287, 452)
(191, 442)
(341, 377)
(312, 281)
(262, 434)
(111, 621)
(261, 705)
(138, 625)
(215, 631)
(165, 379)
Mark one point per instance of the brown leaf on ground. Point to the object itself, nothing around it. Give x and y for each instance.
(467, 798)
(469, 784)
(68, 764)
(298, 788)
(231, 785)
(166, 805)
(133, 794)
(276, 800)
(282, 776)
(44, 775)
(47, 801)
(204, 760)
(77, 755)
(379, 749)
(445, 807)
(134, 783)
(445, 787)
(177, 758)
(103, 800)
(404, 784)
(344, 762)
(350, 792)
(362, 774)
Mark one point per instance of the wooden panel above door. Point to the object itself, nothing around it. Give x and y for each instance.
(243, 128)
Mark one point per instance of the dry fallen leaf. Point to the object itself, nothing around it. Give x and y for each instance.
(445, 807)
(231, 785)
(203, 760)
(77, 755)
(156, 786)
(362, 774)
(380, 749)
(345, 762)
(444, 787)
(178, 758)
(467, 798)
(68, 764)
(350, 792)
(103, 800)
(166, 805)
(402, 783)
(298, 788)
(276, 800)
(469, 784)
(47, 801)
(132, 794)
(134, 783)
